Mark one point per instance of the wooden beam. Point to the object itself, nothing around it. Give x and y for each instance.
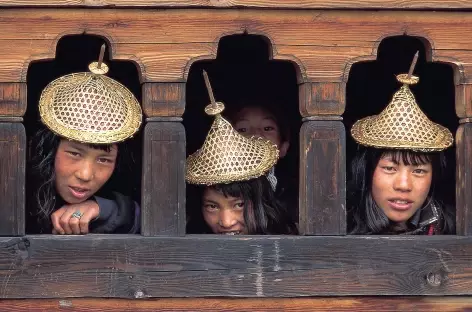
(324, 304)
(322, 209)
(464, 179)
(288, 4)
(122, 266)
(12, 175)
(163, 190)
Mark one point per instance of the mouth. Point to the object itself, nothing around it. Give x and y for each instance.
(231, 233)
(400, 204)
(79, 192)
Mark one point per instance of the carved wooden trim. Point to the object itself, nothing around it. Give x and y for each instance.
(464, 100)
(164, 99)
(12, 99)
(322, 98)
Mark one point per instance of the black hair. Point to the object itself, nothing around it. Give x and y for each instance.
(266, 215)
(42, 199)
(365, 216)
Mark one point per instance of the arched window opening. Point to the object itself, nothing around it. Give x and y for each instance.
(243, 74)
(74, 54)
(371, 85)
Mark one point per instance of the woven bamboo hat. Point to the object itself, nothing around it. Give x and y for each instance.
(402, 124)
(227, 156)
(90, 107)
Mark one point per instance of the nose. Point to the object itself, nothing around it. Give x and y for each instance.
(85, 172)
(403, 182)
(227, 218)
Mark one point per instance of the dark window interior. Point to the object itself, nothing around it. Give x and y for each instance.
(371, 85)
(243, 69)
(74, 54)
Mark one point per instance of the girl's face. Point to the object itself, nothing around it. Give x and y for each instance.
(224, 215)
(82, 170)
(399, 189)
(256, 121)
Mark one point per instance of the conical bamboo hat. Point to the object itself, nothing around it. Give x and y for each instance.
(89, 107)
(402, 125)
(227, 156)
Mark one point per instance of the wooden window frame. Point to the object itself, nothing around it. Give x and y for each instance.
(164, 262)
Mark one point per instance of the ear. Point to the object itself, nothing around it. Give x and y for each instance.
(283, 149)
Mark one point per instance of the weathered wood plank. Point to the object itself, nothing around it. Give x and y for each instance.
(212, 266)
(446, 30)
(163, 190)
(323, 44)
(322, 209)
(464, 179)
(326, 304)
(289, 4)
(12, 99)
(12, 182)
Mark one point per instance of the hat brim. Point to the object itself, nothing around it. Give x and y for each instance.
(363, 133)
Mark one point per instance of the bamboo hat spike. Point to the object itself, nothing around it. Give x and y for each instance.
(402, 124)
(226, 156)
(89, 107)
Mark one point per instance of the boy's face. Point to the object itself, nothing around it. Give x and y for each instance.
(399, 189)
(256, 121)
(224, 215)
(82, 170)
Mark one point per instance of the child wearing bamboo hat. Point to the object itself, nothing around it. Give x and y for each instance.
(86, 117)
(397, 170)
(235, 185)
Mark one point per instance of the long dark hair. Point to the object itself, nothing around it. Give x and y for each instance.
(365, 217)
(42, 199)
(266, 215)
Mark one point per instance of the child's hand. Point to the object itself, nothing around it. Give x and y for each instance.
(75, 218)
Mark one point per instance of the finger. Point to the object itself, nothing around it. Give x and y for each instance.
(55, 219)
(64, 220)
(74, 225)
(54, 232)
(84, 222)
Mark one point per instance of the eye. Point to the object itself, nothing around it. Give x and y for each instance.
(242, 130)
(239, 205)
(73, 154)
(269, 128)
(420, 171)
(388, 168)
(102, 160)
(210, 207)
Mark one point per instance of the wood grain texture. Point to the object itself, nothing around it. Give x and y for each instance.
(164, 43)
(163, 190)
(322, 98)
(12, 178)
(12, 99)
(164, 99)
(324, 304)
(464, 179)
(292, 4)
(322, 201)
(122, 266)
